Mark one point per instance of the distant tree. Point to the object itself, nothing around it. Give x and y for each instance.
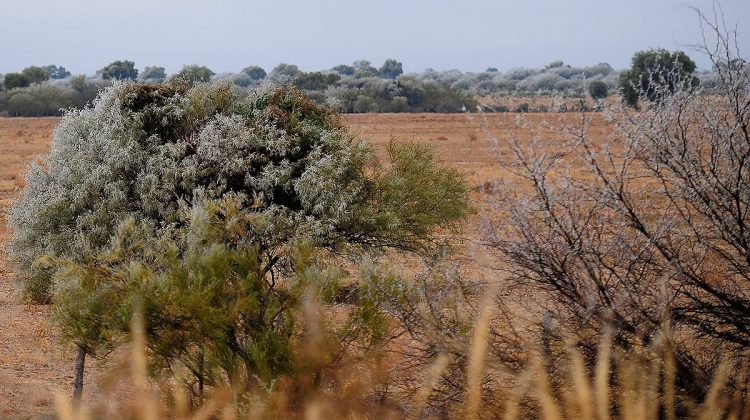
(194, 74)
(78, 82)
(344, 70)
(284, 73)
(57, 72)
(520, 73)
(316, 80)
(255, 72)
(655, 73)
(242, 80)
(598, 89)
(391, 69)
(603, 69)
(364, 68)
(554, 64)
(492, 70)
(16, 80)
(36, 74)
(153, 74)
(119, 70)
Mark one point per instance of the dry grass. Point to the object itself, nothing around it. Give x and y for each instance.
(636, 389)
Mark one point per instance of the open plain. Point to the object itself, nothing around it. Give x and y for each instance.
(35, 365)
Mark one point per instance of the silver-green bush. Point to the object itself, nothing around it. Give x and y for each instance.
(145, 151)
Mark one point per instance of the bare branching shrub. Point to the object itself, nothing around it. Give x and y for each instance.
(654, 228)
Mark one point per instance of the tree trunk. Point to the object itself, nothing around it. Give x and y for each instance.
(200, 377)
(78, 381)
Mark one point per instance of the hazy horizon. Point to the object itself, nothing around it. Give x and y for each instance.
(84, 35)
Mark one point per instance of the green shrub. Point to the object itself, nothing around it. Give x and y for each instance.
(211, 303)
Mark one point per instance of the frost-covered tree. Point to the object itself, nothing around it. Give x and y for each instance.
(316, 80)
(364, 68)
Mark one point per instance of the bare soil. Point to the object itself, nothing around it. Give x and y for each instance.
(35, 365)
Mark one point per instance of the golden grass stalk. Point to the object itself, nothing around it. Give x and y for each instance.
(512, 408)
(670, 370)
(64, 408)
(435, 372)
(550, 409)
(139, 369)
(581, 383)
(601, 379)
(477, 355)
(711, 408)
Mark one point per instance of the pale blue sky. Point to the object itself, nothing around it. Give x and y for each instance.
(470, 35)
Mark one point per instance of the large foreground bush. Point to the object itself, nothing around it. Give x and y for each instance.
(289, 176)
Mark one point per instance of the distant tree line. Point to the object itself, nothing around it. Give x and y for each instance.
(361, 87)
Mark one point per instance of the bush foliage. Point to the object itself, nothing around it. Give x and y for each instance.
(146, 151)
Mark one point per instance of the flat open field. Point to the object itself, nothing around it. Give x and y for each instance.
(34, 365)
